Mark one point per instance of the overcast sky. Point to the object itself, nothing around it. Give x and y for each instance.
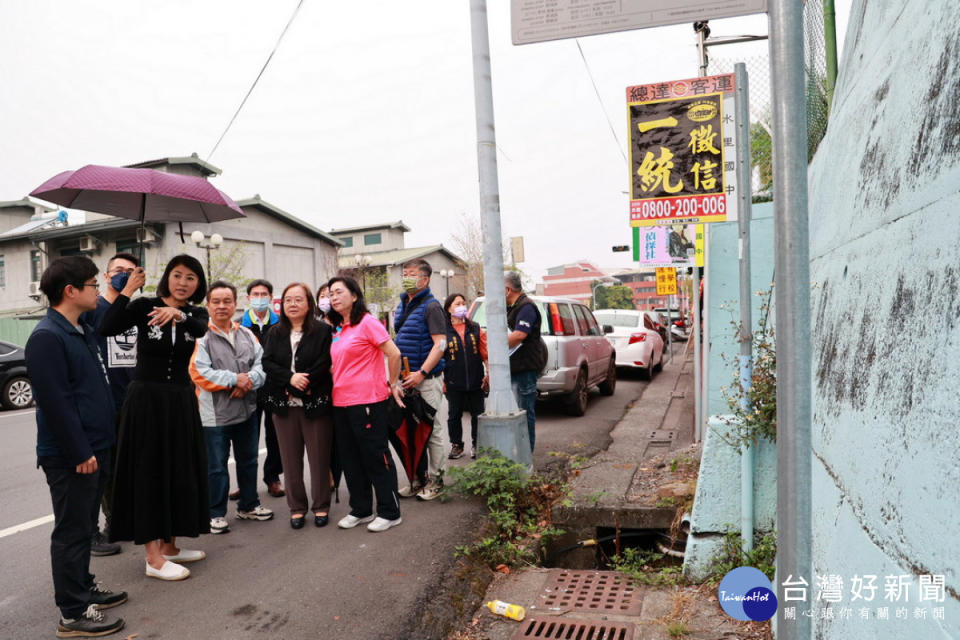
(364, 115)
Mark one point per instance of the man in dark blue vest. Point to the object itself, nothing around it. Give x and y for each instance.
(421, 335)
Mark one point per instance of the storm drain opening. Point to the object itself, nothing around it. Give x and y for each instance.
(606, 592)
(568, 629)
(657, 548)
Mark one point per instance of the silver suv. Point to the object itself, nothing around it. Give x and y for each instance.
(578, 353)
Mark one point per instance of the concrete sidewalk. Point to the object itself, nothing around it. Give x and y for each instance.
(579, 601)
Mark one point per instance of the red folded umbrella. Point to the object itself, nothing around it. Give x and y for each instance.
(146, 195)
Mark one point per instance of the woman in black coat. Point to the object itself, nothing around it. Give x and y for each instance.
(160, 482)
(296, 357)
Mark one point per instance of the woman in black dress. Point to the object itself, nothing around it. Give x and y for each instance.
(160, 489)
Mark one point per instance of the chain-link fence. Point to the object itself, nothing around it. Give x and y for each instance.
(756, 57)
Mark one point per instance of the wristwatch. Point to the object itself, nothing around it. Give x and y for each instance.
(423, 373)
(183, 316)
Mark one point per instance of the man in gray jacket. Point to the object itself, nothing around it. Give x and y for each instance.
(226, 367)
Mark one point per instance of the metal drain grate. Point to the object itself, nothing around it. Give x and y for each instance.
(596, 591)
(568, 629)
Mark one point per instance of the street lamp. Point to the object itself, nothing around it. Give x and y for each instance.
(593, 291)
(362, 263)
(201, 241)
(446, 274)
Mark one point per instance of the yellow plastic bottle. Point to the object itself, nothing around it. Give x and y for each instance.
(507, 610)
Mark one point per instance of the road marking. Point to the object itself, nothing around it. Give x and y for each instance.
(14, 414)
(9, 531)
(39, 522)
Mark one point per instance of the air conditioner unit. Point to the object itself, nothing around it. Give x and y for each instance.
(89, 244)
(35, 290)
(147, 236)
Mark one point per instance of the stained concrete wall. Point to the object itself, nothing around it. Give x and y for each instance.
(722, 299)
(885, 260)
(716, 508)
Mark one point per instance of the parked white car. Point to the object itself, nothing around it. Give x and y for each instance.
(635, 340)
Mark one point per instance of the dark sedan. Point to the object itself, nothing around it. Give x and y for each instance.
(15, 390)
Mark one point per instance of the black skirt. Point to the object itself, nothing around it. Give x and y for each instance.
(160, 482)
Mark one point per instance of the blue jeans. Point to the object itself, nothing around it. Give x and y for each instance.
(525, 391)
(244, 436)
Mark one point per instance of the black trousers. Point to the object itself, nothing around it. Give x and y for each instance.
(457, 401)
(76, 503)
(361, 432)
(272, 465)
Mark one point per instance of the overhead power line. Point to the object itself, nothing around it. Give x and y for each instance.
(602, 108)
(256, 80)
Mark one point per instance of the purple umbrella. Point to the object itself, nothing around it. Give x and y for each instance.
(146, 195)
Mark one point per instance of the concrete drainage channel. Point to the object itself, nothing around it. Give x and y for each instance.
(621, 499)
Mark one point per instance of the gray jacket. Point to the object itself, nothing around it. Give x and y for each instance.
(214, 368)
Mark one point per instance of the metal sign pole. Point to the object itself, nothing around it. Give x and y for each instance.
(670, 327)
(746, 299)
(792, 264)
(502, 426)
(703, 32)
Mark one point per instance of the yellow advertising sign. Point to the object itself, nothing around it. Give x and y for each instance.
(666, 281)
(682, 151)
(699, 244)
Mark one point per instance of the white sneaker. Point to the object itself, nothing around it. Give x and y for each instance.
(410, 490)
(219, 525)
(382, 524)
(349, 521)
(169, 571)
(257, 513)
(187, 555)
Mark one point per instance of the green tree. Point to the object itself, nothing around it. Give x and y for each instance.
(377, 289)
(615, 297)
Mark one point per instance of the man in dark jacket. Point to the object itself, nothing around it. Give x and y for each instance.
(119, 353)
(528, 352)
(75, 430)
(260, 319)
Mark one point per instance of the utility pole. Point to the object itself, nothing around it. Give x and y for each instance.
(502, 426)
(792, 265)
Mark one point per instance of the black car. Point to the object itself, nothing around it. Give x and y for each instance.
(15, 389)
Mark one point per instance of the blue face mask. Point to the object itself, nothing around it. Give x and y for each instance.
(119, 281)
(260, 304)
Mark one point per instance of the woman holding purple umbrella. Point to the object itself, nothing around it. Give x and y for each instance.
(160, 484)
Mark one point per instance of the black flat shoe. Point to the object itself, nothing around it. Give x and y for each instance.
(321, 521)
(297, 523)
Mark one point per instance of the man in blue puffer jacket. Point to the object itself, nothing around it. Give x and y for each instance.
(421, 337)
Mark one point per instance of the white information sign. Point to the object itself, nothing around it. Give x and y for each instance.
(541, 20)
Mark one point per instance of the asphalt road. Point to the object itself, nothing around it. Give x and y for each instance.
(264, 579)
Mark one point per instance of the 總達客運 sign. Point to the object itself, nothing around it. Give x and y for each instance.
(682, 151)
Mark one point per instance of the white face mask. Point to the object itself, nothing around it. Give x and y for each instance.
(323, 304)
(459, 311)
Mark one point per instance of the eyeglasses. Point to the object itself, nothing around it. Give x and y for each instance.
(87, 284)
(294, 300)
